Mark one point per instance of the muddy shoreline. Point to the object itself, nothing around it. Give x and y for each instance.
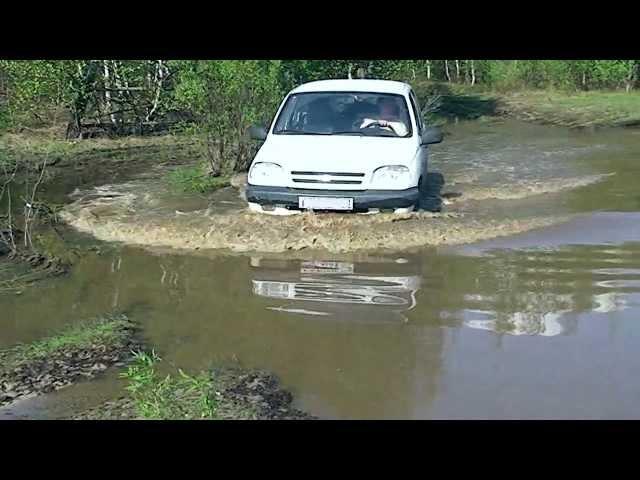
(27, 373)
(44, 367)
(241, 395)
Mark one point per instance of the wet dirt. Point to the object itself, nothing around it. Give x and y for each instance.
(22, 379)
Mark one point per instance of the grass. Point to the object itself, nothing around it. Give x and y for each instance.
(568, 108)
(597, 108)
(172, 397)
(195, 180)
(29, 149)
(107, 330)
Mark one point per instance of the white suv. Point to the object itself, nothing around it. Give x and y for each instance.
(345, 145)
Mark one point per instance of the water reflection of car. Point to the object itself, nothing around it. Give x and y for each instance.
(337, 288)
(520, 323)
(530, 313)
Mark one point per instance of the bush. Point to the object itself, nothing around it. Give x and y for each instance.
(195, 180)
(226, 97)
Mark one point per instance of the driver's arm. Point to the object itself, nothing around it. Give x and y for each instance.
(400, 128)
(368, 121)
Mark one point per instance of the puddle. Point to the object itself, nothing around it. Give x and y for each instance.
(542, 324)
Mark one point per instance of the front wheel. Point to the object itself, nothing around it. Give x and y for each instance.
(429, 194)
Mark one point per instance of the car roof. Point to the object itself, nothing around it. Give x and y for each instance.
(360, 85)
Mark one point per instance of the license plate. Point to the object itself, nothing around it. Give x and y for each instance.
(326, 267)
(325, 203)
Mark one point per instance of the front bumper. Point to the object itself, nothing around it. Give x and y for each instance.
(362, 199)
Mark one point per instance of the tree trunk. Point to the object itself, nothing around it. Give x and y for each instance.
(458, 71)
(82, 86)
(216, 151)
(473, 73)
(159, 80)
(428, 69)
(107, 92)
(632, 78)
(446, 70)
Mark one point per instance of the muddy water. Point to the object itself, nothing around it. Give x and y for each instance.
(542, 324)
(500, 179)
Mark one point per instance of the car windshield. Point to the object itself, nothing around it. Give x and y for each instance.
(344, 113)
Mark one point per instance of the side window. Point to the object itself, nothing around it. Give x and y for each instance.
(416, 111)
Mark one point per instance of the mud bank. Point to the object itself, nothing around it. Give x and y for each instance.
(20, 270)
(77, 354)
(31, 376)
(243, 231)
(241, 395)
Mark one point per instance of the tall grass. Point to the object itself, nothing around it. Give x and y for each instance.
(177, 397)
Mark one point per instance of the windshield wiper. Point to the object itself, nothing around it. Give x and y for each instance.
(298, 132)
(348, 132)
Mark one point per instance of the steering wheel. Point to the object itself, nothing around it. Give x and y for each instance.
(381, 125)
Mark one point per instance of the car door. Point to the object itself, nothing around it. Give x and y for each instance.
(424, 150)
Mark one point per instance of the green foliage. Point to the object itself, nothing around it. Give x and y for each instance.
(222, 98)
(177, 397)
(35, 87)
(5, 119)
(105, 91)
(195, 180)
(226, 97)
(566, 74)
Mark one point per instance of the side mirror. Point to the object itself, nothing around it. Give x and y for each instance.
(431, 135)
(258, 132)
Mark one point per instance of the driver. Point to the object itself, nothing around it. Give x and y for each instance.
(388, 117)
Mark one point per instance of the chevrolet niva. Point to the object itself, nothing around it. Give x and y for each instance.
(342, 145)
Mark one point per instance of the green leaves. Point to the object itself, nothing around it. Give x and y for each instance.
(224, 97)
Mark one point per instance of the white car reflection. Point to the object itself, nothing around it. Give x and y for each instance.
(333, 283)
(522, 323)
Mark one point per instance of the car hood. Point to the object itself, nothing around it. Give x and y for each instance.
(333, 153)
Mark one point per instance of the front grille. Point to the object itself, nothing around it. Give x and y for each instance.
(333, 174)
(334, 178)
(340, 182)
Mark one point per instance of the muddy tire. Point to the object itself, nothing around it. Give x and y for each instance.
(430, 187)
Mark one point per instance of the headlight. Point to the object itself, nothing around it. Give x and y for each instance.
(391, 176)
(265, 173)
